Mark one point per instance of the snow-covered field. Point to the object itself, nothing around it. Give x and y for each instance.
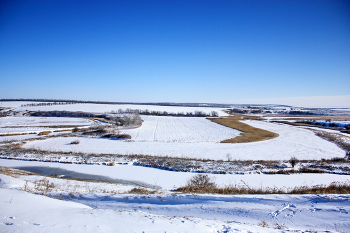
(42, 121)
(102, 108)
(38, 124)
(180, 129)
(292, 142)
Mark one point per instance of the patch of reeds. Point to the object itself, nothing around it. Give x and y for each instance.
(335, 138)
(249, 133)
(295, 171)
(141, 191)
(191, 187)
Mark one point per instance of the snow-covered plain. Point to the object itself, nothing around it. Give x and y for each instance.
(42, 121)
(38, 124)
(180, 129)
(292, 142)
(102, 108)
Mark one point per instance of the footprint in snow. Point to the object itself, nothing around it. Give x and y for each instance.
(315, 209)
(343, 211)
(286, 207)
(8, 223)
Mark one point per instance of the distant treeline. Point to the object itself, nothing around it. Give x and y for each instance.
(135, 103)
(165, 113)
(302, 113)
(46, 104)
(121, 112)
(66, 114)
(245, 111)
(263, 110)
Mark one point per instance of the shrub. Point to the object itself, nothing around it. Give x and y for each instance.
(75, 142)
(199, 183)
(75, 130)
(293, 161)
(263, 224)
(96, 131)
(117, 136)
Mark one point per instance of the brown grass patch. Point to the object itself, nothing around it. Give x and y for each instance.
(293, 171)
(99, 119)
(13, 134)
(249, 133)
(202, 183)
(14, 172)
(333, 188)
(141, 191)
(62, 130)
(44, 133)
(335, 138)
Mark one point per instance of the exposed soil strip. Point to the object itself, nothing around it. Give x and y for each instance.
(249, 133)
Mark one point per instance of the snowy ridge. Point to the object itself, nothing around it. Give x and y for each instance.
(86, 211)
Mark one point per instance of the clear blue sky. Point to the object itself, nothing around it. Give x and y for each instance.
(177, 51)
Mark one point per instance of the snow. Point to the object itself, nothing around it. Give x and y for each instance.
(102, 108)
(38, 124)
(292, 142)
(61, 216)
(105, 207)
(42, 121)
(168, 212)
(169, 180)
(180, 129)
(17, 137)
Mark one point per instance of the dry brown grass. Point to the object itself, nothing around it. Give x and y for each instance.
(62, 130)
(141, 191)
(15, 172)
(293, 171)
(202, 183)
(249, 133)
(44, 133)
(12, 134)
(333, 188)
(100, 119)
(335, 138)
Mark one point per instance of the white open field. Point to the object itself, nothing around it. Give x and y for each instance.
(180, 129)
(37, 124)
(159, 136)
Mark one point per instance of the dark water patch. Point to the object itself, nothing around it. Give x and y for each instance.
(49, 171)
